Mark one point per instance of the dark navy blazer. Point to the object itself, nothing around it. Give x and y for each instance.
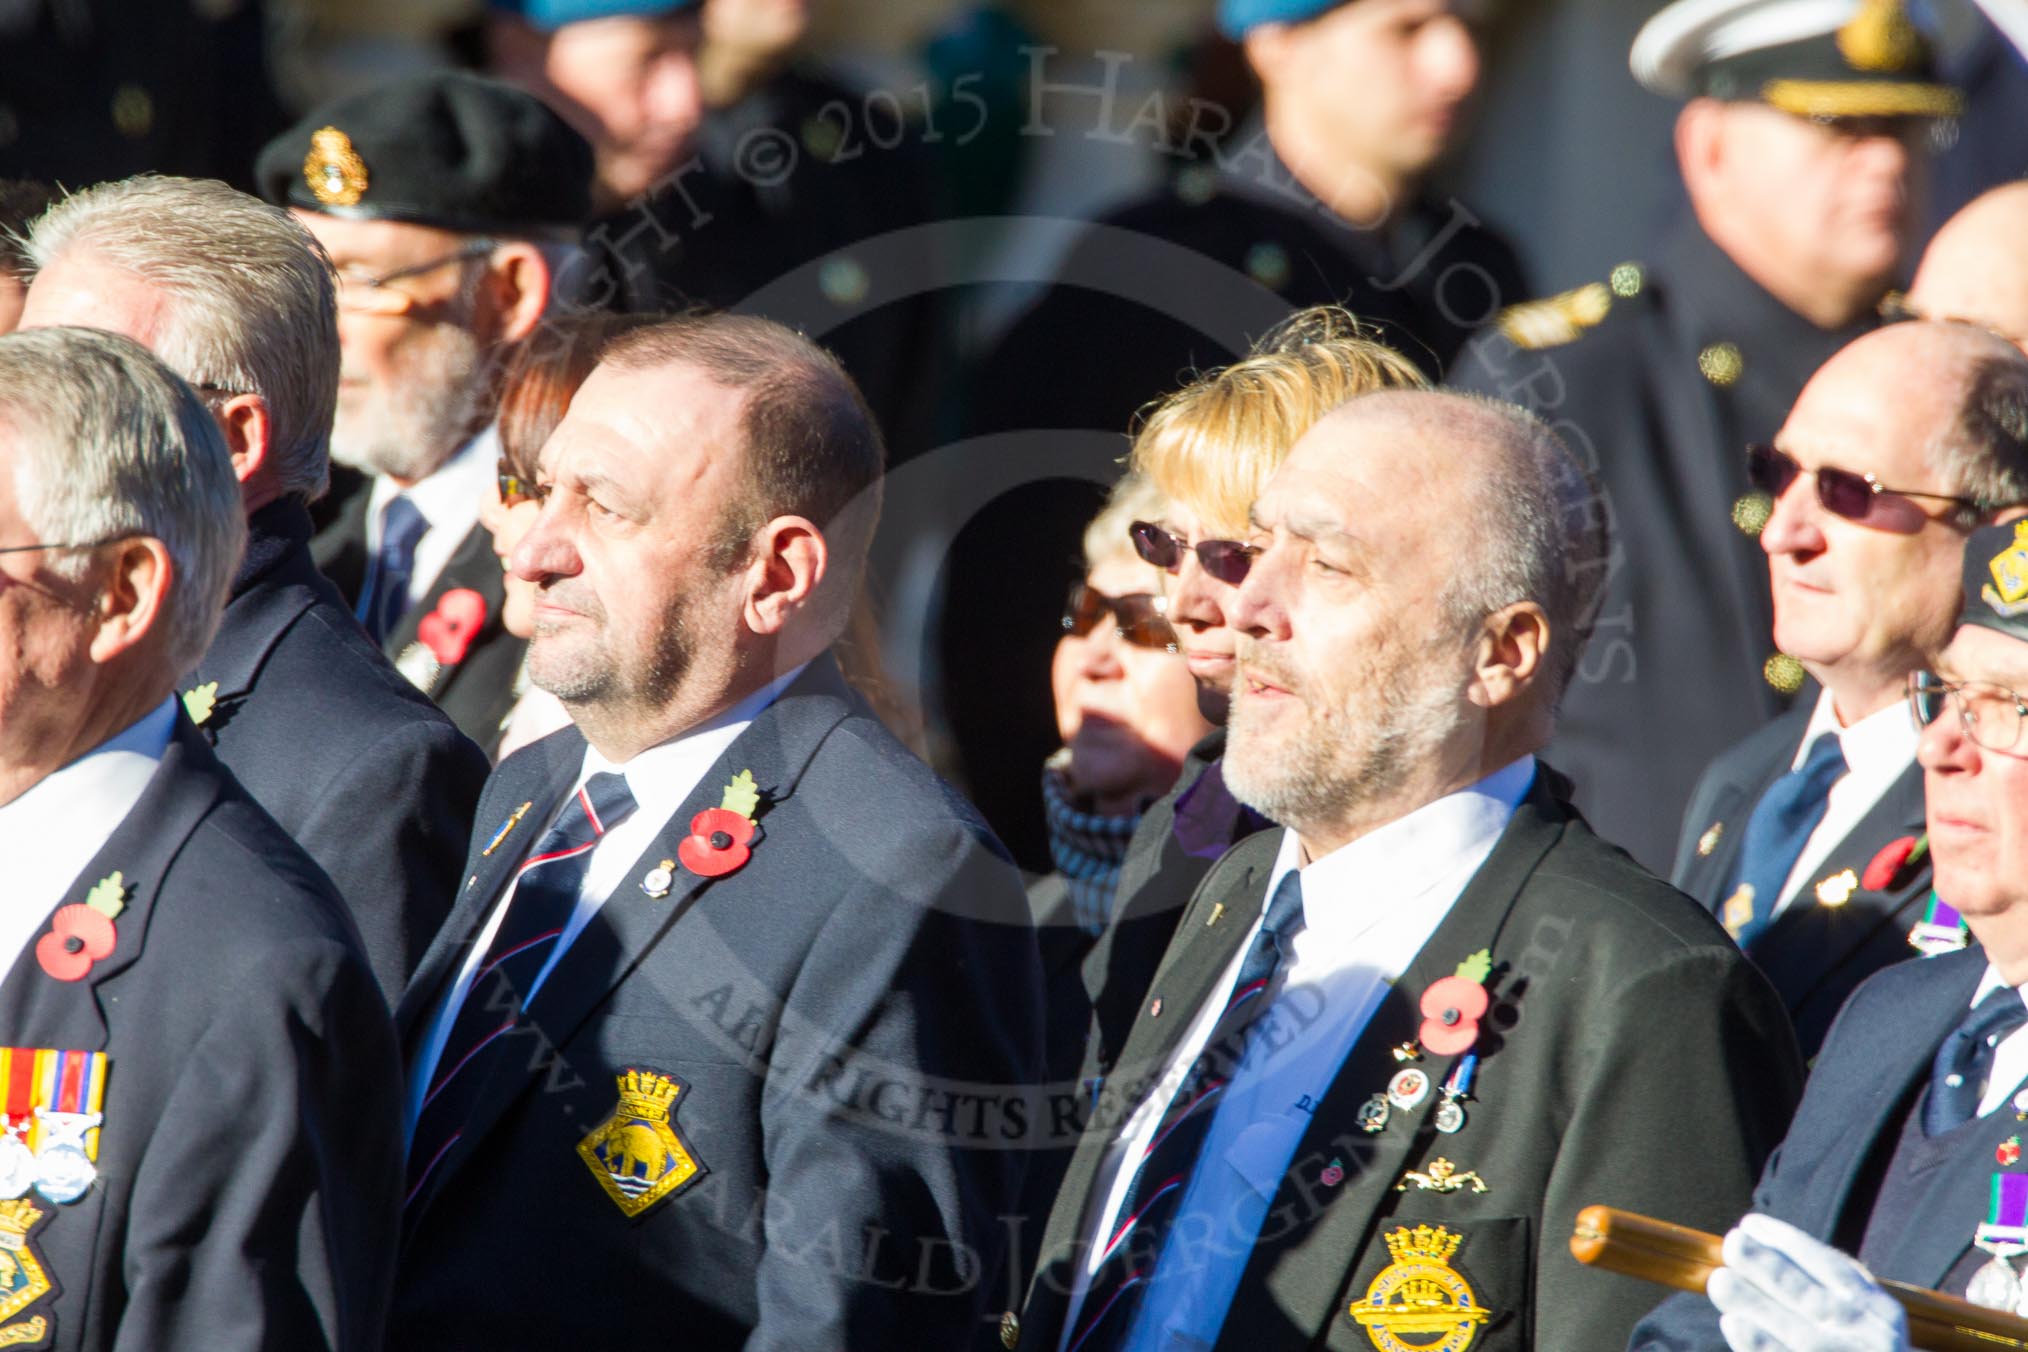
(1815, 954)
(1821, 1179)
(855, 1016)
(249, 1167)
(370, 778)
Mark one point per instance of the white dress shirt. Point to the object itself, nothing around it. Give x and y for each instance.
(49, 834)
(449, 502)
(2010, 1057)
(660, 778)
(1878, 748)
(1368, 908)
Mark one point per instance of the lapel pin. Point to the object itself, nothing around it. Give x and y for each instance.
(1737, 912)
(660, 878)
(505, 828)
(1217, 910)
(1837, 889)
(1708, 842)
(82, 933)
(1333, 1174)
(1373, 1113)
(199, 702)
(1408, 1088)
(721, 837)
(1884, 871)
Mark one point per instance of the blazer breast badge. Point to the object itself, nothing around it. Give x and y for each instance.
(23, 1279)
(1420, 1295)
(636, 1154)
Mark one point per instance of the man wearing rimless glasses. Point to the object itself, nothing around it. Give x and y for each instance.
(444, 202)
(1901, 445)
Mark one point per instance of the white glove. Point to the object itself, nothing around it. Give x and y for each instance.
(1782, 1291)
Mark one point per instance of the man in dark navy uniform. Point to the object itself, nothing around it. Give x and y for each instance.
(1792, 835)
(449, 205)
(202, 1144)
(371, 779)
(1798, 148)
(1906, 1151)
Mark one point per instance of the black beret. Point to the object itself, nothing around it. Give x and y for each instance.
(443, 149)
(1996, 579)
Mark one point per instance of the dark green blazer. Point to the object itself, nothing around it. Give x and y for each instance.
(1631, 1057)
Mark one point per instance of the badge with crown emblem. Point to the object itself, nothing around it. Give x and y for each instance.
(2007, 594)
(333, 170)
(635, 1154)
(23, 1279)
(1420, 1295)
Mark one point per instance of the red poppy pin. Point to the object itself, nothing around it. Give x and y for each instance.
(1894, 857)
(721, 838)
(82, 933)
(448, 630)
(2009, 1153)
(1453, 1006)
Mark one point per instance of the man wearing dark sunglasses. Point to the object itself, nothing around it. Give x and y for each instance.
(1902, 444)
(1799, 143)
(1906, 1152)
(445, 202)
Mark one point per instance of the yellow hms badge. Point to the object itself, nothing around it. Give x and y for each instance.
(635, 1154)
(22, 1278)
(2008, 594)
(1419, 1294)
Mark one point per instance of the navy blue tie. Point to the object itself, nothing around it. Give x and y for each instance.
(1163, 1175)
(1963, 1064)
(1780, 826)
(545, 896)
(384, 598)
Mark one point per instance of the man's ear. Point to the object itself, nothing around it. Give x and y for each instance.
(1512, 645)
(1700, 143)
(248, 430)
(132, 597)
(789, 562)
(516, 291)
(1267, 49)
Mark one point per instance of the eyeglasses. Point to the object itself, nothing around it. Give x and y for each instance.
(1137, 617)
(81, 544)
(372, 295)
(1226, 560)
(1855, 497)
(1991, 714)
(515, 490)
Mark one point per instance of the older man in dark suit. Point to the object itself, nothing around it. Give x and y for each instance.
(201, 1144)
(1395, 1047)
(368, 776)
(1802, 838)
(1906, 1151)
(727, 1038)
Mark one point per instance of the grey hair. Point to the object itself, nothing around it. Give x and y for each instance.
(1134, 498)
(110, 443)
(1537, 523)
(1983, 453)
(251, 303)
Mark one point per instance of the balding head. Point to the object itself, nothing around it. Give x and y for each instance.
(1355, 705)
(1976, 269)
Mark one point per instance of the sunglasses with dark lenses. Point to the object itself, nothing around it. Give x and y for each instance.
(515, 490)
(1137, 618)
(1990, 714)
(1226, 560)
(1856, 497)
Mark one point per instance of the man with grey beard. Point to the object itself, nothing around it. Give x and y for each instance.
(1408, 1037)
(447, 204)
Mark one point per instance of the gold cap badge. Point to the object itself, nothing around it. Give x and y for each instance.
(1881, 37)
(333, 169)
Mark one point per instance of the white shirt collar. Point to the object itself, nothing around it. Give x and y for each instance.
(1877, 747)
(1991, 982)
(448, 499)
(1350, 889)
(52, 831)
(661, 777)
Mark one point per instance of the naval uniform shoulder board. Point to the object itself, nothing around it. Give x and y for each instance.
(1564, 318)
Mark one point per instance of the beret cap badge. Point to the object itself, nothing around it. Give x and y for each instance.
(1881, 37)
(333, 169)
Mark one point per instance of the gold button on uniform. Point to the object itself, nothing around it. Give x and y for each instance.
(1010, 1329)
(1750, 512)
(1721, 363)
(1784, 673)
(1626, 280)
